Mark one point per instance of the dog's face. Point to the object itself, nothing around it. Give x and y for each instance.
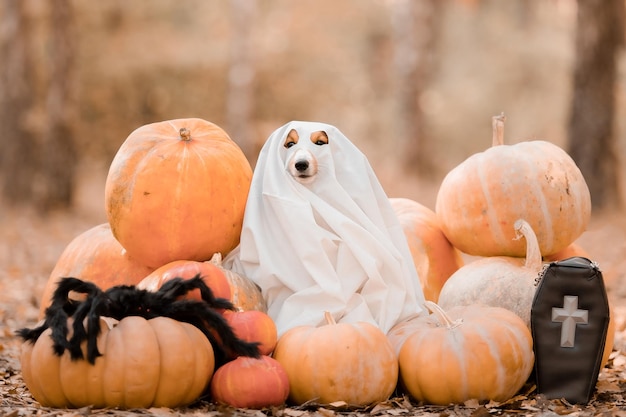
(302, 162)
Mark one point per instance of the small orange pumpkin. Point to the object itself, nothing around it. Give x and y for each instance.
(351, 362)
(254, 326)
(433, 255)
(250, 383)
(479, 200)
(177, 190)
(94, 256)
(470, 352)
(145, 363)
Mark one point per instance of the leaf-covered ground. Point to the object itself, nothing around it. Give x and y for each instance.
(30, 246)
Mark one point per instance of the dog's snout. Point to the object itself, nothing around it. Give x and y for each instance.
(302, 165)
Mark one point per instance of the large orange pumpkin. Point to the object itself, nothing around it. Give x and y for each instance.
(351, 362)
(471, 352)
(480, 199)
(433, 255)
(177, 190)
(94, 256)
(145, 363)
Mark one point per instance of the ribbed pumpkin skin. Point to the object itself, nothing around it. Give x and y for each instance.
(211, 275)
(242, 292)
(480, 199)
(94, 256)
(351, 362)
(146, 363)
(433, 255)
(168, 198)
(498, 281)
(489, 356)
(250, 383)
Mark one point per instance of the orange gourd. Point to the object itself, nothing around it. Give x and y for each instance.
(570, 251)
(242, 292)
(254, 326)
(498, 281)
(212, 276)
(351, 362)
(479, 200)
(471, 352)
(94, 256)
(145, 363)
(434, 256)
(250, 383)
(177, 190)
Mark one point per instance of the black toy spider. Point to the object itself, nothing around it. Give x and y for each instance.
(125, 300)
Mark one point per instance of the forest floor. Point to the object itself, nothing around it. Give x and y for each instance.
(30, 245)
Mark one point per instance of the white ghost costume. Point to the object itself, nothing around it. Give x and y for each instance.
(333, 245)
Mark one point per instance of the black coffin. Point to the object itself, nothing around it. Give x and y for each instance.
(569, 322)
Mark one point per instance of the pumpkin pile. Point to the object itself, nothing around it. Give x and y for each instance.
(174, 197)
(510, 208)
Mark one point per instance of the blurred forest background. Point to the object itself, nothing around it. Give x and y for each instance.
(413, 83)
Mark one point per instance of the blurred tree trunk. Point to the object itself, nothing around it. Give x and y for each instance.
(38, 155)
(58, 161)
(18, 154)
(241, 76)
(592, 141)
(415, 24)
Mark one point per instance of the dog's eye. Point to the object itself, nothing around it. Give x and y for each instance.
(289, 144)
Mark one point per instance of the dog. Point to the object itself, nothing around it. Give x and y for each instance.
(302, 163)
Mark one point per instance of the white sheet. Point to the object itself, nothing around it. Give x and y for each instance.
(334, 244)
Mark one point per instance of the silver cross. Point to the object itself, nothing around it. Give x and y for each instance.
(569, 315)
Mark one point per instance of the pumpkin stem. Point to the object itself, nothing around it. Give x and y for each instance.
(497, 124)
(534, 261)
(185, 134)
(329, 318)
(441, 315)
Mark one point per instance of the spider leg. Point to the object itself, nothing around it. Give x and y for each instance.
(78, 312)
(225, 343)
(99, 308)
(178, 287)
(56, 315)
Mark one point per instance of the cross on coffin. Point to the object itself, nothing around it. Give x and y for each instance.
(570, 315)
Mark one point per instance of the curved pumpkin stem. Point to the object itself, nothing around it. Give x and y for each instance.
(441, 315)
(497, 124)
(534, 261)
(185, 134)
(329, 318)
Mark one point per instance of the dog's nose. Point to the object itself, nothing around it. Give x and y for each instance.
(302, 165)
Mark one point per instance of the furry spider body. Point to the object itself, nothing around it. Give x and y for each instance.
(123, 301)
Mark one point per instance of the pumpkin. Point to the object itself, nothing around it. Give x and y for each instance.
(434, 256)
(177, 189)
(254, 326)
(351, 362)
(250, 383)
(242, 292)
(470, 352)
(95, 256)
(480, 199)
(574, 249)
(145, 363)
(212, 276)
(498, 281)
